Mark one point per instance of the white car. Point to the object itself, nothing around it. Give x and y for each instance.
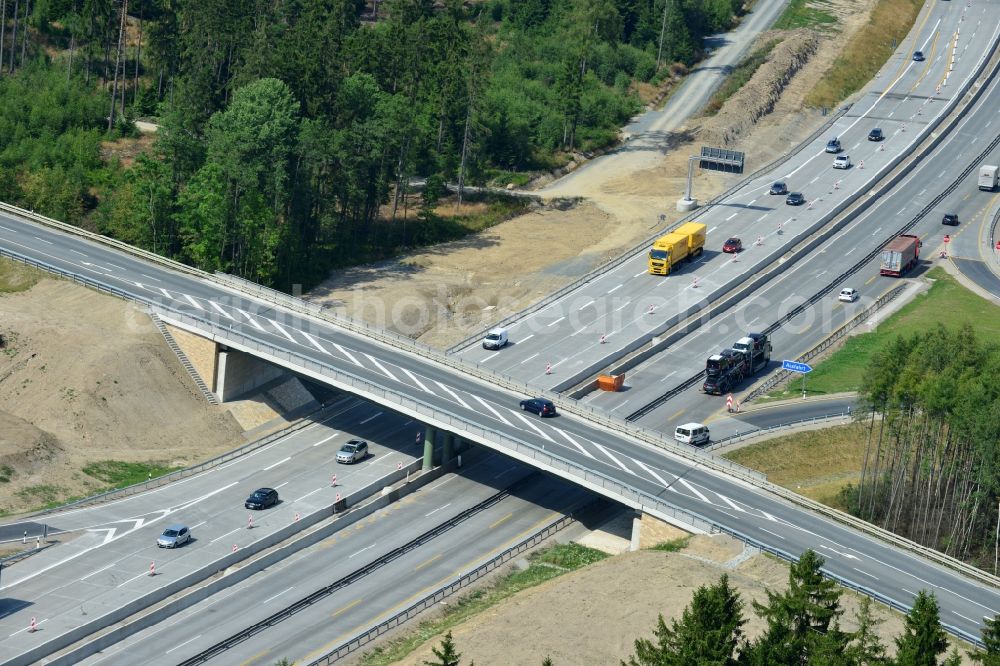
(842, 162)
(848, 295)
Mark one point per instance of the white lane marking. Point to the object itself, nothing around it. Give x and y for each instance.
(250, 319)
(277, 595)
(453, 395)
(197, 525)
(282, 485)
(652, 473)
(694, 490)
(105, 568)
(963, 617)
(731, 503)
(437, 509)
(864, 572)
(348, 354)
(193, 302)
(770, 517)
(491, 356)
(615, 288)
(225, 535)
(634, 276)
(79, 253)
(220, 310)
(324, 441)
(611, 456)
(13, 232)
(557, 321)
(717, 226)
(576, 444)
(591, 301)
(529, 358)
(814, 180)
(727, 219)
(282, 331)
(371, 418)
(490, 407)
(166, 293)
(771, 533)
(418, 382)
(921, 192)
(531, 425)
(532, 335)
(876, 231)
(851, 250)
(313, 342)
(361, 551)
(26, 628)
(762, 217)
(149, 277)
(276, 464)
(180, 645)
(627, 303)
(44, 241)
(144, 574)
(311, 492)
(381, 368)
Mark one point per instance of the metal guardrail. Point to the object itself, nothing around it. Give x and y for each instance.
(781, 375)
(644, 245)
(440, 594)
(754, 432)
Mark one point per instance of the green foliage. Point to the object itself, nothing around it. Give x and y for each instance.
(119, 474)
(710, 631)
(741, 74)
(923, 639)
(803, 14)
(446, 654)
(570, 556)
(672, 546)
(991, 639)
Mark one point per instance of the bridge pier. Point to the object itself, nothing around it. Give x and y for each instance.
(649, 531)
(238, 373)
(449, 447)
(429, 448)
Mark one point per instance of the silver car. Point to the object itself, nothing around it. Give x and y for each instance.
(352, 451)
(173, 536)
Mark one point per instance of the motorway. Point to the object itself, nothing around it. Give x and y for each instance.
(534, 501)
(625, 303)
(611, 456)
(616, 457)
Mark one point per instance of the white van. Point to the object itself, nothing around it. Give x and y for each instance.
(695, 434)
(495, 339)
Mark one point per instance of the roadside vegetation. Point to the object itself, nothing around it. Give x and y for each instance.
(119, 474)
(741, 73)
(805, 14)
(946, 303)
(543, 565)
(866, 52)
(15, 276)
(817, 464)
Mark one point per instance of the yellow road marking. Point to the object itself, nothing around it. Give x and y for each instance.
(424, 564)
(674, 416)
(347, 607)
(927, 61)
(871, 279)
(255, 657)
(405, 603)
(915, 33)
(502, 520)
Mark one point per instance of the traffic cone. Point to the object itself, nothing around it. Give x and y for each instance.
(759, 241)
(249, 522)
(333, 478)
(33, 626)
(548, 368)
(152, 568)
(836, 185)
(296, 516)
(602, 338)
(881, 147)
(694, 283)
(651, 308)
(235, 548)
(861, 164)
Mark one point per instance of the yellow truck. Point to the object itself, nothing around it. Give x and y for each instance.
(686, 241)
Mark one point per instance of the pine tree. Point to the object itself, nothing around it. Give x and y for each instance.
(991, 640)
(923, 638)
(446, 654)
(866, 648)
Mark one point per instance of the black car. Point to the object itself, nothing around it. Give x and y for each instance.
(833, 145)
(779, 188)
(539, 406)
(951, 219)
(876, 134)
(262, 498)
(795, 199)
(918, 56)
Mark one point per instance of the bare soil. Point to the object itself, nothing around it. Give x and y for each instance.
(594, 615)
(85, 377)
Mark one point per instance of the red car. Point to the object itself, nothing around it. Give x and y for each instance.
(732, 245)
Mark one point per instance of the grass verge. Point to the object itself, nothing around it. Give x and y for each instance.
(866, 52)
(119, 474)
(804, 14)
(543, 565)
(947, 303)
(738, 78)
(15, 276)
(816, 463)
(672, 546)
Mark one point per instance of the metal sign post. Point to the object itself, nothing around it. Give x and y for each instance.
(795, 366)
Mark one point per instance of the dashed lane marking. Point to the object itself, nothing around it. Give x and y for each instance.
(283, 331)
(251, 319)
(348, 354)
(381, 368)
(453, 395)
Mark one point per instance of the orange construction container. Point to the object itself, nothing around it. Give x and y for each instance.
(611, 382)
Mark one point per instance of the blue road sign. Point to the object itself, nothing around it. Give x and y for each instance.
(795, 366)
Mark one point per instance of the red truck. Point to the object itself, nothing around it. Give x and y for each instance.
(900, 255)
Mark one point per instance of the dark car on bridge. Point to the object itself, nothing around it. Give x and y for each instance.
(779, 188)
(833, 145)
(876, 134)
(732, 246)
(261, 499)
(795, 199)
(951, 219)
(539, 406)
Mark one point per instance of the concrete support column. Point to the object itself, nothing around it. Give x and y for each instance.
(449, 448)
(429, 448)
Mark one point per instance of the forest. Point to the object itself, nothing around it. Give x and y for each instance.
(803, 628)
(931, 469)
(291, 132)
